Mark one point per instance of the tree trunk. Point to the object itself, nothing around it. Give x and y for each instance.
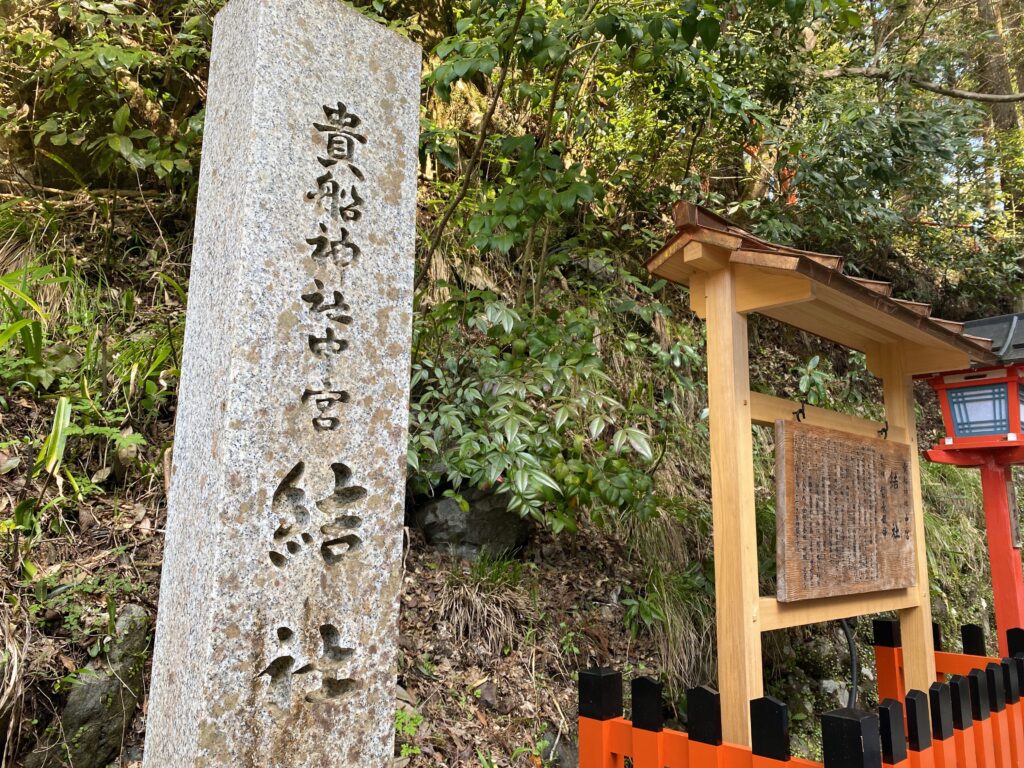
(994, 71)
(1012, 12)
(995, 65)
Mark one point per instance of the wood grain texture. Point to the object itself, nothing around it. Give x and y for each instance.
(765, 410)
(844, 513)
(732, 500)
(893, 366)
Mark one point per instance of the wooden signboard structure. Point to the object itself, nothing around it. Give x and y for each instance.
(844, 513)
(730, 274)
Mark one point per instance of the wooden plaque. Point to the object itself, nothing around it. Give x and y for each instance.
(844, 513)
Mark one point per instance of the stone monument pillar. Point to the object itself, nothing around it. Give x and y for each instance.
(279, 598)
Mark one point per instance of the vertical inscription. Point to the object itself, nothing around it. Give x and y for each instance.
(326, 530)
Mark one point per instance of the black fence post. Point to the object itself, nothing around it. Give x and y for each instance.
(887, 633)
(937, 635)
(978, 682)
(996, 691)
(1011, 680)
(973, 638)
(1018, 662)
(963, 709)
(769, 728)
(941, 698)
(600, 693)
(1015, 641)
(893, 736)
(851, 739)
(704, 715)
(647, 713)
(919, 731)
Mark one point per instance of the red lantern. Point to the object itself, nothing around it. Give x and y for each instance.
(981, 410)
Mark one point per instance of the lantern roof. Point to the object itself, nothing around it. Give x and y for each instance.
(809, 291)
(1006, 332)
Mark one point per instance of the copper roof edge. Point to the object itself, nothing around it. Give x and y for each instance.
(690, 218)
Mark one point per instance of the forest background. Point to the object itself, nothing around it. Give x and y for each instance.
(550, 372)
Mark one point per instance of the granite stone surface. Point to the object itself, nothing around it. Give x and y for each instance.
(277, 621)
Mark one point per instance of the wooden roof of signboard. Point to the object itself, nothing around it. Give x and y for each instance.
(810, 291)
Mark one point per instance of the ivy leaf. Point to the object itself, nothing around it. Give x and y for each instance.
(546, 480)
(619, 440)
(561, 417)
(709, 30)
(121, 118)
(121, 144)
(608, 26)
(795, 9)
(688, 28)
(638, 440)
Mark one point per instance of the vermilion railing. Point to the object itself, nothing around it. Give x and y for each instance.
(972, 717)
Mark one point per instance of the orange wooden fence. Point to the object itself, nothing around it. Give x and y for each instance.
(971, 717)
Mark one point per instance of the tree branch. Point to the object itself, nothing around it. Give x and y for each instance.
(876, 73)
(478, 151)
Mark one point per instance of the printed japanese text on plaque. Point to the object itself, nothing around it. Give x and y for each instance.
(844, 514)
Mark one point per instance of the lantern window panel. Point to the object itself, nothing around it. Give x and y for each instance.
(980, 410)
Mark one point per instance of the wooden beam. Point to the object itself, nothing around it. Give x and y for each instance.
(704, 256)
(802, 316)
(767, 409)
(668, 262)
(898, 327)
(917, 360)
(776, 261)
(776, 615)
(740, 676)
(916, 621)
(757, 290)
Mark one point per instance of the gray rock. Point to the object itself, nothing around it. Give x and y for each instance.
(489, 695)
(489, 527)
(99, 709)
(835, 690)
(561, 751)
(276, 633)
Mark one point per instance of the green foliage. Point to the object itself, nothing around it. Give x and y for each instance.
(524, 408)
(813, 383)
(547, 365)
(407, 725)
(642, 613)
(115, 84)
(495, 574)
(83, 604)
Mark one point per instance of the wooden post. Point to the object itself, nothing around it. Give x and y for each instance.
(941, 702)
(769, 724)
(888, 669)
(983, 735)
(704, 727)
(972, 638)
(600, 705)
(1011, 686)
(919, 731)
(648, 723)
(999, 714)
(963, 723)
(850, 739)
(1004, 558)
(915, 622)
(892, 732)
(732, 490)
